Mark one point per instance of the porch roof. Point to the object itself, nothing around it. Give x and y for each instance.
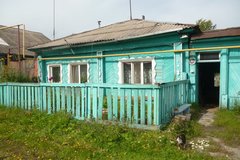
(228, 32)
(117, 31)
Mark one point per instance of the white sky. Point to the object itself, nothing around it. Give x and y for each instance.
(74, 16)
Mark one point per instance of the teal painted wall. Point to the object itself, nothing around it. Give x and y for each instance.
(229, 70)
(164, 67)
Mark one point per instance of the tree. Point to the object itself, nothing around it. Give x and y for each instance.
(205, 25)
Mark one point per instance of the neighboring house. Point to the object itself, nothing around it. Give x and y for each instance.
(146, 52)
(9, 49)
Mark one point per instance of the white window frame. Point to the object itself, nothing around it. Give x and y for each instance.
(50, 72)
(141, 60)
(79, 70)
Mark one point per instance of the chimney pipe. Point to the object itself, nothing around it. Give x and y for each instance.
(99, 24)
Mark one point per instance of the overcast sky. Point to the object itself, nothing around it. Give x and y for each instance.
(74, 16)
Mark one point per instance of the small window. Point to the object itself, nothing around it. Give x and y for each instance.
(54, 74)
(78, 73)
(137, 72)
(127, 72)
(147, 72)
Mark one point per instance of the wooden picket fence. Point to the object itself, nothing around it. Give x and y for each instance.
(141, 105)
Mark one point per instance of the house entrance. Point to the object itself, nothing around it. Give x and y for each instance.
(209, 83)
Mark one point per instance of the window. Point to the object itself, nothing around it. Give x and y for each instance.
(54, 74)
(78, 73)
(137, 72)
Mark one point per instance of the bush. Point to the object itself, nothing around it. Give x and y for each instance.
(10, 75)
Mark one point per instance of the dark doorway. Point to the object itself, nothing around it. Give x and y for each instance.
(209, 84)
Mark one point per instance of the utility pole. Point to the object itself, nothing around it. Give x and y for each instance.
(19, 49)
(130, 5)
(53, 19)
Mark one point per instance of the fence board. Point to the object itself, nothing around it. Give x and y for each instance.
(73, 101)
(83, 100)
(122, 105)
(129, 105)
(100, 103)
(133, 104)
(109, 104)
(77, 91)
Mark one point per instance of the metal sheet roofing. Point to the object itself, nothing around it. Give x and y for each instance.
(228, 32)
(10, 37)
(117, 31)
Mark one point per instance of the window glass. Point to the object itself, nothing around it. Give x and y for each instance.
(74, 74)
(137, 72)
(54, 74)
(127, 73)
(78, 73)
(147, 72)
(83, 70)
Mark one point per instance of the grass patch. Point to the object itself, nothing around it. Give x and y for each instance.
(37, 135)
(227, 126)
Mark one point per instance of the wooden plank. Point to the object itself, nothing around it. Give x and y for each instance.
(100, 103)
(33, 105)
(6, 97)
(40, 98)
(109, 104)
(14, 98)
(156, 100)
(122, 105)
(22, 97)
(25, 98)
(115, 103)
(44, 100)
(83, 100)
(78, 106)
(129, 105)
(36, 97)
(63, 97)
(1, 95)
(149, 95)
(29, 98)
(69, 110)
(142, 112)
(89, 102)
(94, 108)
(53, 100)
(49, 99)
(58, 99)
(135, 110)
(9, 96)
(158, 115)
(73, 101)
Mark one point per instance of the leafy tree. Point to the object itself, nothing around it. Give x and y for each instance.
(205, 25)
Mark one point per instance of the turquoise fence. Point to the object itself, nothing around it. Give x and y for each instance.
(131, 104)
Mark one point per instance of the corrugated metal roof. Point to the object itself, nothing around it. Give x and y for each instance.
(10, 36)
(118, 31)
(217, 33)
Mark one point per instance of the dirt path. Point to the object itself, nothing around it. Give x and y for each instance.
(226, 151)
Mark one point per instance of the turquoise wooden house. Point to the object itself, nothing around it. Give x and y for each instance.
(146, 52)
(137, 71)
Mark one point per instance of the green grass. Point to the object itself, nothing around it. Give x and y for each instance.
(227, 126)
(36, 135)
